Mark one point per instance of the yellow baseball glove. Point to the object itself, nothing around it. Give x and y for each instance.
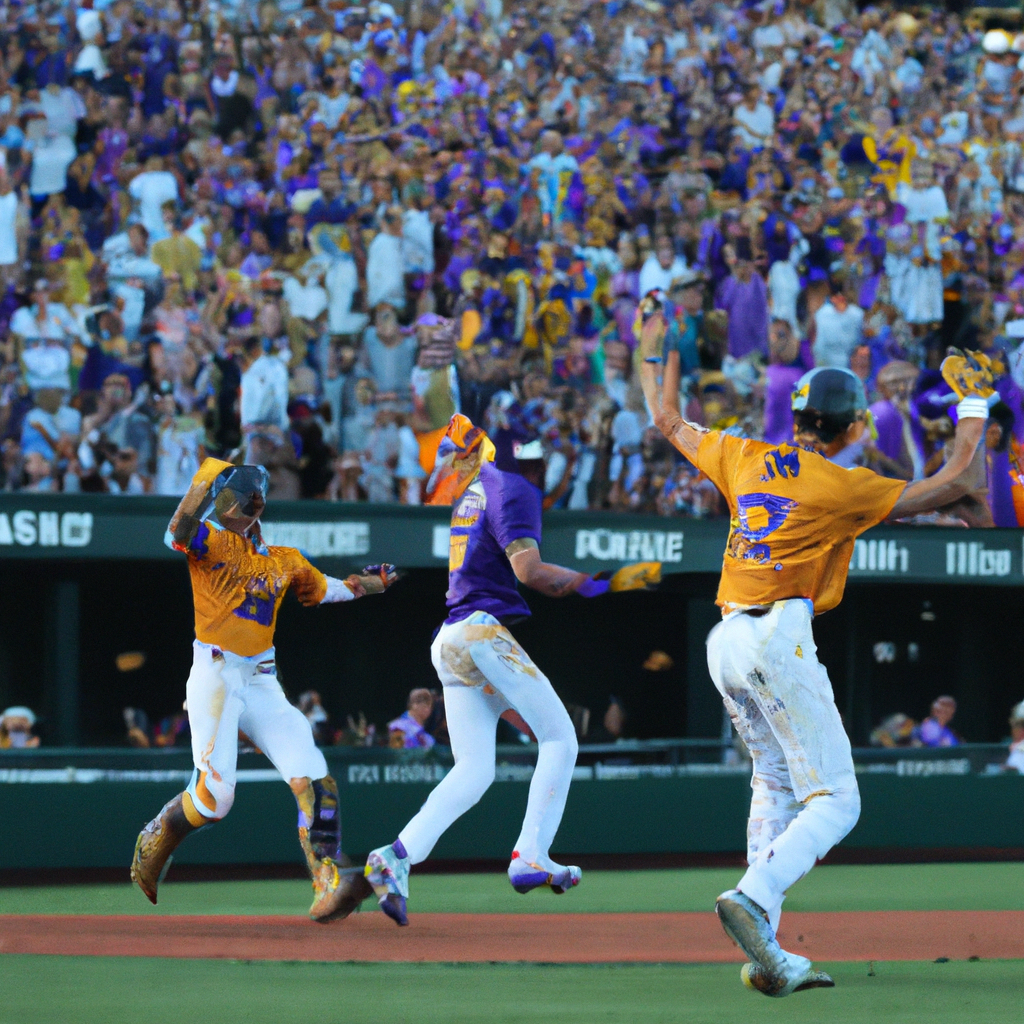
(968, 373)
(638, 576)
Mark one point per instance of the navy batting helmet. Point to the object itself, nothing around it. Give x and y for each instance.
(834, 392)
(826, 401)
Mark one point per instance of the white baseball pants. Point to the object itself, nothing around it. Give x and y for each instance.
(805, 797)
(226, 693)
(485, 672)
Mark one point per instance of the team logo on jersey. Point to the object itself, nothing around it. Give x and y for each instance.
(758, 516)
(787, 465)
(260, 600)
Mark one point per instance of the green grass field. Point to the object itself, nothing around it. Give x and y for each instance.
(842, 887)
(104, 991)
(98, 990)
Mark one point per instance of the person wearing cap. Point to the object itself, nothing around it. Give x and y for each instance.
(795, 516)
(1015, 762)
(238, 585)
(485, 672)
(16, 725)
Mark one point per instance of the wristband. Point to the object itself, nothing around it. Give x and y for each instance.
(652, 359)
(593, 588)
(973, 407)
(337, 590)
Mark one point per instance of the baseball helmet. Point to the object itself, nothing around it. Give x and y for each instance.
(1017, 714)
(831, 391)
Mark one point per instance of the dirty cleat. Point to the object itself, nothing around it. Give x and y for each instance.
(525, 876)
(156, 842)
(773, 971)
(758, 979)
(337, 891)
(387, 872)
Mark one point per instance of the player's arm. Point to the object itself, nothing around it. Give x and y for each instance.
(950, 482)
(970, 376)
(557, 581)
(663, 403)
(374, 579)
(549, 579)
(185, 522)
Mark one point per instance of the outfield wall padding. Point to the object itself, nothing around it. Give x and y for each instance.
(44, 825)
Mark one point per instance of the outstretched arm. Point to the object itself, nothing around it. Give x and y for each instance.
(557, 581)
(663, 403)
(950, 483)
(374, 579)
(552, 580)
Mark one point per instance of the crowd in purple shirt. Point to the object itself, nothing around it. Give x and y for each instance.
(306, 233)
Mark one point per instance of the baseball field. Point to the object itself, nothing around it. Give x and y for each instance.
(930, 943)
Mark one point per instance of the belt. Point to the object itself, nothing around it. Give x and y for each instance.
(756, 613)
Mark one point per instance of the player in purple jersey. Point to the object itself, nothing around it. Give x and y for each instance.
(495, 543)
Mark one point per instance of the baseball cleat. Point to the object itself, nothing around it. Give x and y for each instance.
(758, 979)
(773, 972)
(337, 891)
(387, 872)
(525, 876)
(156, 842)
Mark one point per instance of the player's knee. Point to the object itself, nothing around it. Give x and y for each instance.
(211, 797)
(837, 813)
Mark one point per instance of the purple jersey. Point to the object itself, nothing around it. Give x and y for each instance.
(497, 509)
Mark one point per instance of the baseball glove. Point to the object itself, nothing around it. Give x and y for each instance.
(638, 576)
(968, 373)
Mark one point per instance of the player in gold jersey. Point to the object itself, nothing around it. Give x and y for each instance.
(238, 584)
(795, 515)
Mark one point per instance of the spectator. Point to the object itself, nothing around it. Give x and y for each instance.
(407, 731)
(1016, 759)
(284, 181)
(16, 725)
(897, 730)
(838, 328)
(311, 705)
(661, 268)
(934, 731)
(743, 295)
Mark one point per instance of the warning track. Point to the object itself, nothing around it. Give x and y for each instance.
(512, 938)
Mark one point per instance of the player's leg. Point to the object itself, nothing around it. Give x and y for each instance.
(472, 710)
(736, 649)
(283, 733)
(214, 707)
(508, 668)
(795, 696)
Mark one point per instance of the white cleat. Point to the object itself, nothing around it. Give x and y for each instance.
(773, 971)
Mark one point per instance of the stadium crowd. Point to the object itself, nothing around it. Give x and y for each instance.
(307, 232)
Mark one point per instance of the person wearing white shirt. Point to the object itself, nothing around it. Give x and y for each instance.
(417, 242)
(839, 329)
(129, 272)
(150, 190)
(52, 155)
(63, 108)
(8, 231)
(661, 268)
(1016, 758)
(264, 391)
(385, 264)
(754, 120)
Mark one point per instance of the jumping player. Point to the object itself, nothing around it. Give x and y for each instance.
(237, 586)
(495, 541)
(795, 516)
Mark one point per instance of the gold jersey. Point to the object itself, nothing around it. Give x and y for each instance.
(794, 518)
(238, 585)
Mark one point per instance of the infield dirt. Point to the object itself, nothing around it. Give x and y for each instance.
(539, 938)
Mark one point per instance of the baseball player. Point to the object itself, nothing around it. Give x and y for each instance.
(495, 541)
(795, 516)
(237, 586)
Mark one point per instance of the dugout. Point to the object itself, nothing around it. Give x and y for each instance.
(927, 611)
